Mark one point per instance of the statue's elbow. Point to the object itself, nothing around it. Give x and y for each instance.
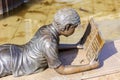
(61, 70)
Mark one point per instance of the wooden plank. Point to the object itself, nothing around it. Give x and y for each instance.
(1, 8)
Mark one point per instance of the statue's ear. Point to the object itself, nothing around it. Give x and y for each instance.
(62, 29)
(68, 26)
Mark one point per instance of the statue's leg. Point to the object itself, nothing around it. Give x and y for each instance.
(5, 61)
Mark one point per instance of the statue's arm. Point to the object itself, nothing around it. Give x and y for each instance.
(70, 69)
(70, 46)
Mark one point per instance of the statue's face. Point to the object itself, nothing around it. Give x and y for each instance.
(69, 31)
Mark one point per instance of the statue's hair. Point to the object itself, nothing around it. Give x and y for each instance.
(66, 16)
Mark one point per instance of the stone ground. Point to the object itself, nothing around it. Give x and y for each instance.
(19, 25)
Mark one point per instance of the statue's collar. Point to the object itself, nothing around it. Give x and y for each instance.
(53, 30)
(53, 27)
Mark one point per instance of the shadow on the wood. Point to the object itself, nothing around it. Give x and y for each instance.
(107, 51)
(68, 56)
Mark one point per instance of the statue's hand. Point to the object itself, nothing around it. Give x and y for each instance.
(94, 64)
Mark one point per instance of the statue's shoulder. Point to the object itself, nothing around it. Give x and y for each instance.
(42, 27)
